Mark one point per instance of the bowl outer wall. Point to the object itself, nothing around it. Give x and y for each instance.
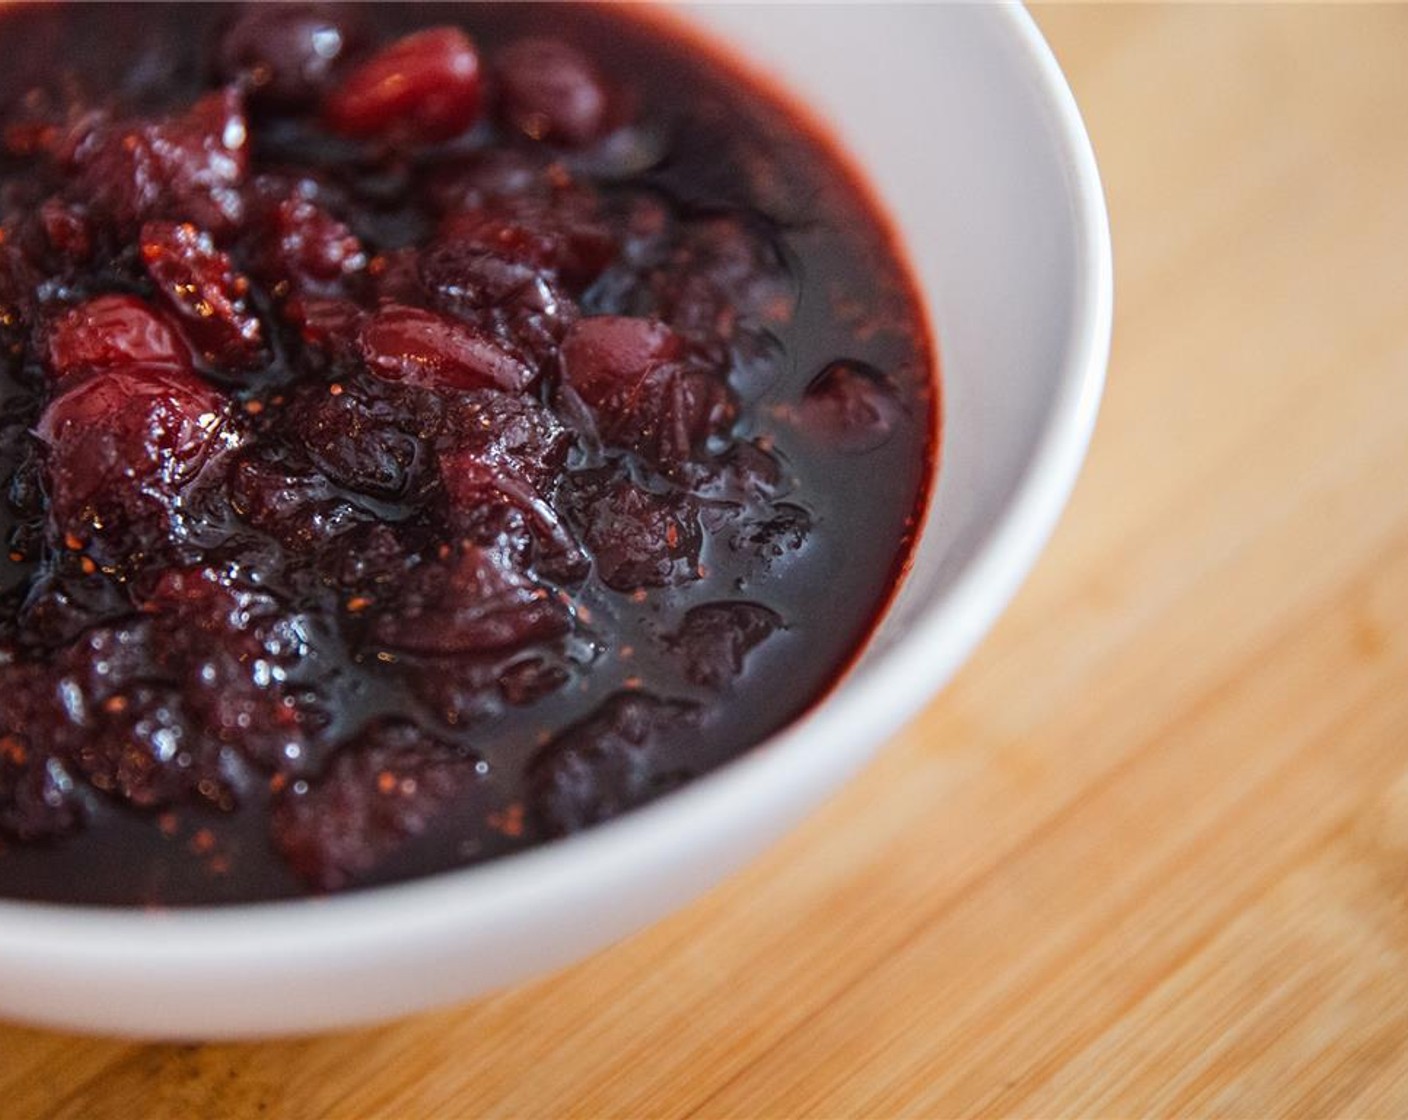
(995, 189)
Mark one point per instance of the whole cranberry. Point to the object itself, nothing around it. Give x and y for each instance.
(121, 446)
(549, 90)
(424, 349)
(284, 52)
(423, 88)
(112, 332)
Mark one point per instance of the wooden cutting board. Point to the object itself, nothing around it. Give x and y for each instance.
(1149, 854)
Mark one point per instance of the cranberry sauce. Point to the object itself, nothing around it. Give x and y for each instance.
(427, 431)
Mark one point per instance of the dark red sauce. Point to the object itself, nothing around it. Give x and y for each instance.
(428, 430)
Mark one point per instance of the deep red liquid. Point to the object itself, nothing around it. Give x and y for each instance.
(540, 629)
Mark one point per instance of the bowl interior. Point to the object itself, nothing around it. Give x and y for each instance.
(959, 119)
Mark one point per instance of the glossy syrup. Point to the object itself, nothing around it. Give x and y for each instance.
(808, 501)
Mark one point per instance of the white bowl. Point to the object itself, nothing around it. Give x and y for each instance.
(962, 122)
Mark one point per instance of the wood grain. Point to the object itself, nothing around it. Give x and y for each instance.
(1148, 856)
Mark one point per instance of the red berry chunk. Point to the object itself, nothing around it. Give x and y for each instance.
(328, 327)
(359, 444)
(420, 89)
(188, 167)
(511, 431)
(475, 602)
(562, 231)
(67, 230)
(166, 706)
(142, 752)
(494, 501)
(122, 446)
(851, 405)
(640, 538)
(110, 333)
(550, 91)
(38, 797)
(607, 763)
(714, 639)
(301, 511)
(199, 283)
(422, 348)
(643, 391)
(509, 297)
(384, 788)
(307, 247)
(285, 52)
(231, 651)
(724, 272)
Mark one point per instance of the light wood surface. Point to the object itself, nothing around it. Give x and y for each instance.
(1148, 856)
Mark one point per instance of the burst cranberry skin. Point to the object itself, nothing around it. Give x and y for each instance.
(511, 431)
(644, 393)
(420, 89)
(306, 247)
(475, 602)
(67, 230)
(495, 503)
(110, 333)
(416, 347)
(384, 788)
(38, 798)
(230, 650)
(562, 232)
(550, 91)
(606, 764)
(359, 444)
(724, 274)
(299, 510)
(122, 446)
(499, 293)
(327, 327)
(851, 405)
(640, 538)
(185, 167)
(200, 284)
(715, 638)
(284, 52)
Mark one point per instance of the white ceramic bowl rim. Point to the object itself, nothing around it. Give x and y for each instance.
(896, 683)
